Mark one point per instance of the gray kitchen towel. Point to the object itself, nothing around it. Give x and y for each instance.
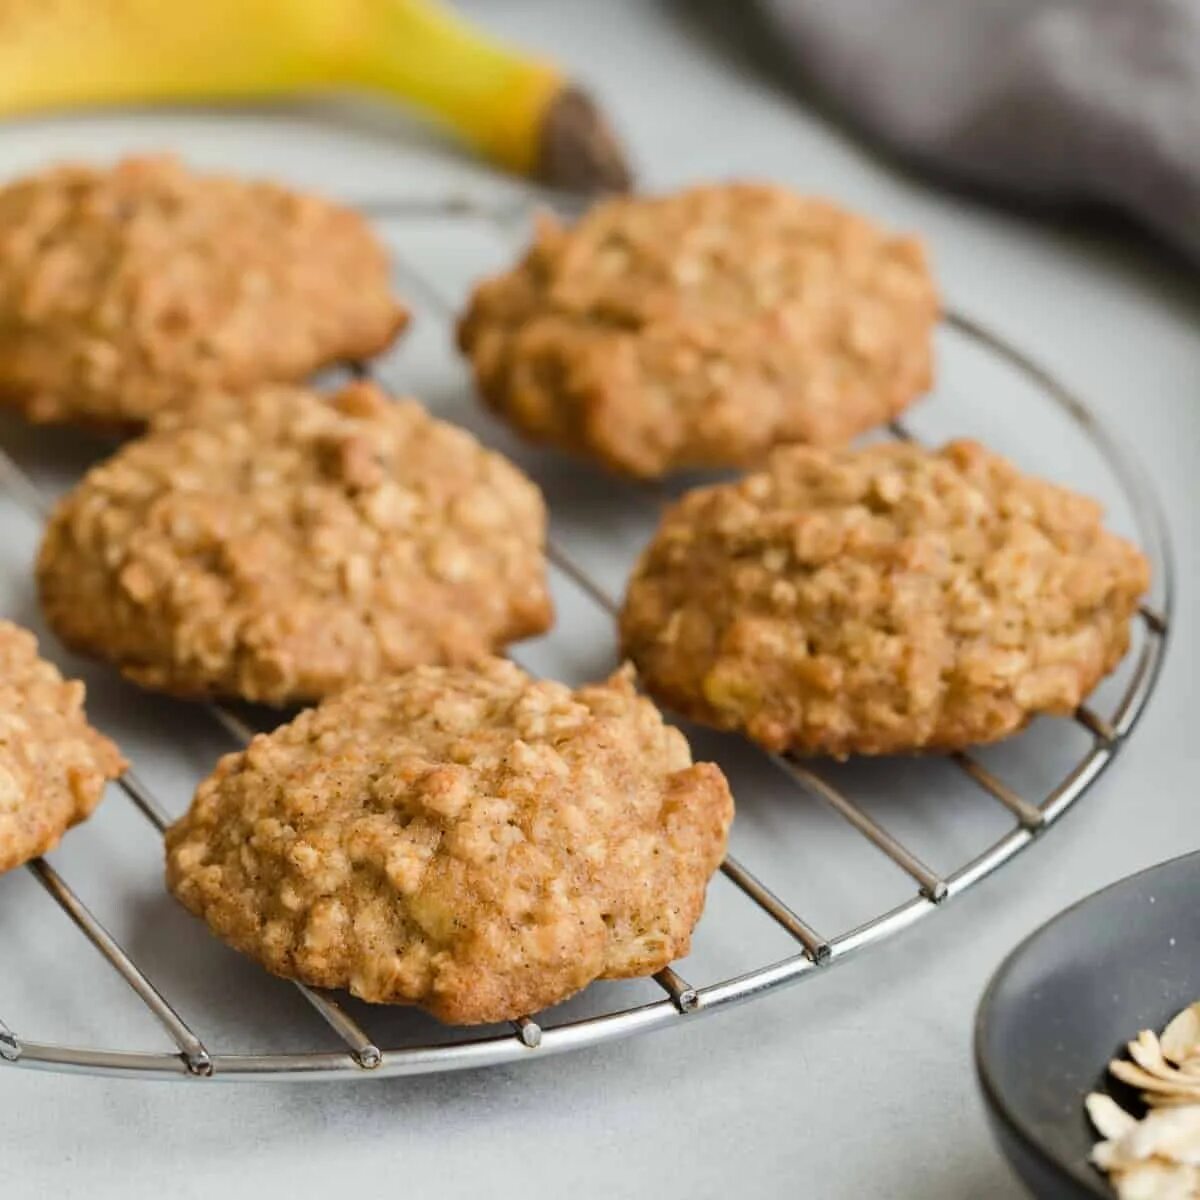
(1061, 100)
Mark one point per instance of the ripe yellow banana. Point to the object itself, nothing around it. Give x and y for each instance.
(518, 111)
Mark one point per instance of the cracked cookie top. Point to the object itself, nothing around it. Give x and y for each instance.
(283, 544)
(125, 290)
(700, 329)
(53, 764)
(466, 839)
(879, 601)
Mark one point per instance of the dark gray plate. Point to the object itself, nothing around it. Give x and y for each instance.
(1067, 1000)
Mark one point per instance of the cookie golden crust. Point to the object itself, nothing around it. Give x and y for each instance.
(53, 764)
(702, 328)
(880, 601)
(464, 839)
(281, 545)
(125, 290)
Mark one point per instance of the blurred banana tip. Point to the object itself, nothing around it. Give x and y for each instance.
(579, 152)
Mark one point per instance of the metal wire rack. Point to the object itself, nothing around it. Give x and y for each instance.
(681, 1000)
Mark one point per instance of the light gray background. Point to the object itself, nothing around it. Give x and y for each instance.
(856, 1084)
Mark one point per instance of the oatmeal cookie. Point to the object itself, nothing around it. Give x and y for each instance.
(53, 764)
(701, 328)
(279, 545)
(125, 290)
(880, 601)
(466, 839)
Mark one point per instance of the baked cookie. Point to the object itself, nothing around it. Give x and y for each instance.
(701, 328)
(125, 290)
(280, 545)
(879, 601)
(466, 839)
(53, 764)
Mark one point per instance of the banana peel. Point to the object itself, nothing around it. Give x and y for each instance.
(518, 111)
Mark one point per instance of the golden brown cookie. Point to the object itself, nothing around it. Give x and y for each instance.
(53, 764)
(879, 601)
(465, 839)
(702, 328)
(125, 290)
(282, 544)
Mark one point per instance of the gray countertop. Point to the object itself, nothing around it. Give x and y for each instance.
(858, 1083)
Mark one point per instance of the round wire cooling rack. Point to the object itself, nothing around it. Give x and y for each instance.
(813, 953)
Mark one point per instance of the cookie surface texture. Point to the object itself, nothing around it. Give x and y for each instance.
(125, 290)
(464, 839)
(702, 328)
(280, 545)
(880, 601)
(53, 764)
